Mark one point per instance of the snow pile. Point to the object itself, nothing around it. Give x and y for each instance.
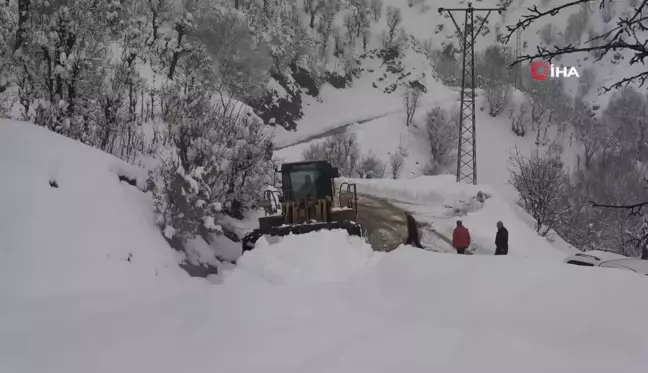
(88, 232)
(409, 310)
(322, 256)
(440, 200)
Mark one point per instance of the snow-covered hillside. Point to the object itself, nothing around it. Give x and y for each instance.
(69, 226)
(337, 108)
(382, 115)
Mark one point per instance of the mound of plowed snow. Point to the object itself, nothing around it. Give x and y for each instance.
(321, 256)
(90, 233)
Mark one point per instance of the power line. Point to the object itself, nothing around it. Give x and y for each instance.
(467, 147)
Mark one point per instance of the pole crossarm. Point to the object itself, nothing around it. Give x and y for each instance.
(467, 146)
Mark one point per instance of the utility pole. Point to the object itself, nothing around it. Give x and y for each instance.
(518, 52)
(467, 149)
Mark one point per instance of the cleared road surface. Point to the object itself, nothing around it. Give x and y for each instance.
(387, 226)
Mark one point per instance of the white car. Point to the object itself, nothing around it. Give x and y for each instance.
(605, 259)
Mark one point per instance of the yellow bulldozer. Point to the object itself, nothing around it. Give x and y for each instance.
(307, 202)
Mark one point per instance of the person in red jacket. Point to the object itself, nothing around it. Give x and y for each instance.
(460, 238)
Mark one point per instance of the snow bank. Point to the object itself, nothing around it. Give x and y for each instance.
(92, 233)
(322, 256)
(329, 305)
(441, 201)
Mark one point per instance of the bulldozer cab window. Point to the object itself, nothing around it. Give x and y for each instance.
(304, 184)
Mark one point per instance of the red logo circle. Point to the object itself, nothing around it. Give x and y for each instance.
(539, 70)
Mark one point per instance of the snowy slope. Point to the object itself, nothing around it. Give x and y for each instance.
(324, 302)
(91, 234)
(338, 107)
(384, 135)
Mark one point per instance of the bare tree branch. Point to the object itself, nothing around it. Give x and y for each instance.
(624, 36)
(527, 20)
(635, 209)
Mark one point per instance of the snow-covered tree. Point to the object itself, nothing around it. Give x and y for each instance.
(589, 130)
(441, 131)
(237, 64)
(376, 9)
(411, 102)
(220, 143)
(520, 119)
(396, 163)
(542, 184)
(446, 65)
(394, 19)
(605, 205)
(313, 7)
(493, 75)
(342, 151)
(627, 116)
(326, 28)
(371, 167)
(498, 95)
(491, 65)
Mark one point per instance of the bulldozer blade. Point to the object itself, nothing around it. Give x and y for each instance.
(353, 228)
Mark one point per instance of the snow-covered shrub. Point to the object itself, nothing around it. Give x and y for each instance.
(542, 184)
(612, 179)
(498, 95)
(548, 34)
(627, 117)
(376, 9)
(396, 163)
(410, 100)
(181, 200)
(220, 159)
(576, 26)
(441, 130)
(446, 65)
(586, 81)
(371, 167)
(282, 103)
(593, 135)
(7, 42)
(520, 119)
(491, 65)
(342, 151)
(394, 19)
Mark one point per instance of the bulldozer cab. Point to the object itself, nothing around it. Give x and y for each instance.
(308, 195)
(307, 202)
(308, 181)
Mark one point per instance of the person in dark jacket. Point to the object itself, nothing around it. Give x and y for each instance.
(413, 237)
(460, 238)
(501, 239)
